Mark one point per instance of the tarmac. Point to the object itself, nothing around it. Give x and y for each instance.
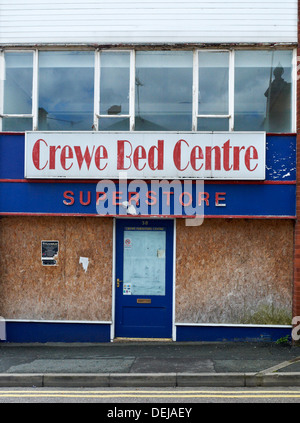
(150, 364)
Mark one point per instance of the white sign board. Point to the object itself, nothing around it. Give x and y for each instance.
(147, 155)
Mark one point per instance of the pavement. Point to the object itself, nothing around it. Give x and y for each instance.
(149, 364)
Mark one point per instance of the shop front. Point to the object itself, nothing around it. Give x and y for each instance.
(148, 191)
(109, 251)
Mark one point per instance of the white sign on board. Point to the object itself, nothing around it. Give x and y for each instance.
(149, 155)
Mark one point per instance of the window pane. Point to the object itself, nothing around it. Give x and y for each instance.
(263, 91)
(114, 83)
(113, 124)
(213, 124)
(163, 91)
(66, 90)
(213, 83)
(17, 124)
(18, 83)
(144, 263)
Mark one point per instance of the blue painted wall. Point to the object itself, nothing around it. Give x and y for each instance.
(56, 332)
(274, 197)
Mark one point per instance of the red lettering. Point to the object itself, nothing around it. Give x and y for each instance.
(100, 196)
(153, 199)
(160, 156)
(121, 155)
(52, 153)
(189, 201)
(208, 163)
(100, 154)
(85, 203)
(177, 155)
(219, 198)
(87, 157)
(206, 198)
(226, 149)
(69, 195)
(168, 194)
(249, 157)
(236, 157)
(65, 156)
(139, 154)
(196, 154)
(117, 196)
(134, 196)
(36, 153)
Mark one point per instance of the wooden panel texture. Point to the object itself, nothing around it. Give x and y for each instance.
(68, 291)
(235, 271)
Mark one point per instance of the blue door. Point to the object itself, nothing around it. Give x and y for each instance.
(144, 278)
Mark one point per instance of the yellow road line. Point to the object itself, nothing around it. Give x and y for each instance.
(142, 392)
(151, 396)
(162, 395)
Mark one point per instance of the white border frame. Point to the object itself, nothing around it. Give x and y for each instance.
(34, 85)
(97, 83)
(230, 114)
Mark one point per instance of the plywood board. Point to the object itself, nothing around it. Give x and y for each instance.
(75, 289)
(234, 271)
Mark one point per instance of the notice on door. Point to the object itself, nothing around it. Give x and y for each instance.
(126, 288)
(144, 262)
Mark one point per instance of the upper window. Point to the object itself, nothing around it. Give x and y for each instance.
(127, 90)
(66, 90)
(17, 92)
(263, 91)
(114, 82)
(213, 91)
(163, 91)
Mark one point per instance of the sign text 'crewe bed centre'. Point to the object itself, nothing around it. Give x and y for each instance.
(145, 155)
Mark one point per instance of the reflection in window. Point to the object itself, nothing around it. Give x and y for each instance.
(116, 124)
(114, 91)
(213, 88)
(17, 124)
(212, 124)
(213, 83)
(114, 83)
(18, 83)
(66, 90)
(263, 91)
(17, 91)
(163, 91)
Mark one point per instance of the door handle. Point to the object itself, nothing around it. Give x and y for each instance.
(118, 283)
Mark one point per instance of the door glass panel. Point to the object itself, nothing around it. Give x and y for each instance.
(144, 262)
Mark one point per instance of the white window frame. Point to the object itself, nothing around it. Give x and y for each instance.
(131, 114)
(230, 115)
(31, 115)
(97, 84)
